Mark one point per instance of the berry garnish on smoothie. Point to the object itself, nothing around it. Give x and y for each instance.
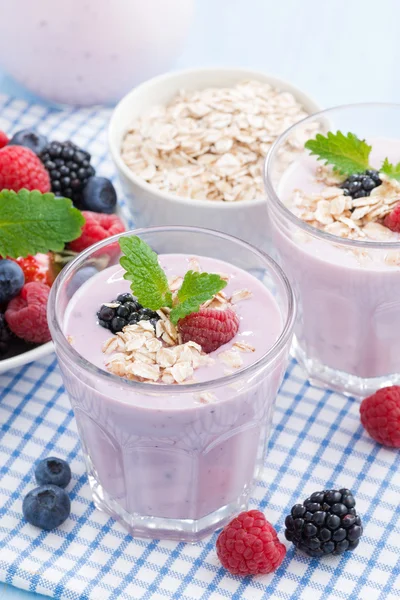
(351, 196)
(167, 327)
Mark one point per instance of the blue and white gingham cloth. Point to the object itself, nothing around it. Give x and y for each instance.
(317, 442)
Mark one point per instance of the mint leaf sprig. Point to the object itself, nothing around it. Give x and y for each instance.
(390, 170)
(196, 288)
(346, 153)
(149, 282)
(32, 222)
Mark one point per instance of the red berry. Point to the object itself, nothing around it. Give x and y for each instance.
(21, 168)
(210, 328)
(37, 268)
(26, 313)
(392, 220)
(98, 227)
(380, 415)
(249, 545)
(3, 139)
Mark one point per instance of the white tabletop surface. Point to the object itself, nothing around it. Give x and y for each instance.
(339, 51)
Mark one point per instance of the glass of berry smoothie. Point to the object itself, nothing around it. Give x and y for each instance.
(335, 216)
(172, 360)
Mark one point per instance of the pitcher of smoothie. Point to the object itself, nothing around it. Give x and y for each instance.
(172, 381)
(90, 52)
(335, 217)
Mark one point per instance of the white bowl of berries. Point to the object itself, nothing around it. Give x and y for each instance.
(52, 206)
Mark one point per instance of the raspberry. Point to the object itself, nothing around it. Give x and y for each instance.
(249, 545)
(326, 523)
(98, 227)
(21, 168)
(3, 139)
(210, 328)
(392, 220)
(26, 313)
(37, 268)
(380, 415)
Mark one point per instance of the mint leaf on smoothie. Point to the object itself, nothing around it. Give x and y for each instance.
(390, 170)
(196, 288)
(148, 280)
(346, 153)
(32, 222)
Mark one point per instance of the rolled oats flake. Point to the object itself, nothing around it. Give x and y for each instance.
(224, 129)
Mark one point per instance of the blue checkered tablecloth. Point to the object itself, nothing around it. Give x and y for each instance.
(317, 442)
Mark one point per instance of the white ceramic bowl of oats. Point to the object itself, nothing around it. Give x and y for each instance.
(189, 147)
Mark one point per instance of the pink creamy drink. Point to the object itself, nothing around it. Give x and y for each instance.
(348, 287)
(176, 461)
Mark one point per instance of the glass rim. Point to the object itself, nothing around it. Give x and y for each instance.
(273, 197)
(60, 339)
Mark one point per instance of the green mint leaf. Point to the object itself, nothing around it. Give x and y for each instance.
(148, 281)
(32, 222)
(392, 171)
(196, 288)
(346, 153)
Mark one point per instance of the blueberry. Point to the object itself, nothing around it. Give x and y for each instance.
(133, 319)
(30, 139)
(106, 313)
(54, 471)
(47, 507)
(125, 298)
(79, 278)
(11, 280)
(117, 324)
(123, 311)
(368, 184)
(132, 306)
(98, 195)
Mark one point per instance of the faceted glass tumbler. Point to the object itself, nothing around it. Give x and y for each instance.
(347, 291)
(174, 473)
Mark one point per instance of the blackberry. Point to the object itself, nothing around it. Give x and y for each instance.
(5, 335)
(361, 184)
(125, 310)
(332, 526)
(69, 169)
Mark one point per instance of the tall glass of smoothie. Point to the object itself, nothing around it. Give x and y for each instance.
(173, 417)
(335, 216)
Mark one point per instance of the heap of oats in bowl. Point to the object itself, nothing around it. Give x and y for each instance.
(355, 200)
(210, 144)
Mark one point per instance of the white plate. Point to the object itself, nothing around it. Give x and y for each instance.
(26, 357)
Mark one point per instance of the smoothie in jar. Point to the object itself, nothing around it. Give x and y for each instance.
(174, 413)
(336, 233)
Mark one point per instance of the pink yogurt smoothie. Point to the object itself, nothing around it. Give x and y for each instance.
(160, 452)
(349, 299)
